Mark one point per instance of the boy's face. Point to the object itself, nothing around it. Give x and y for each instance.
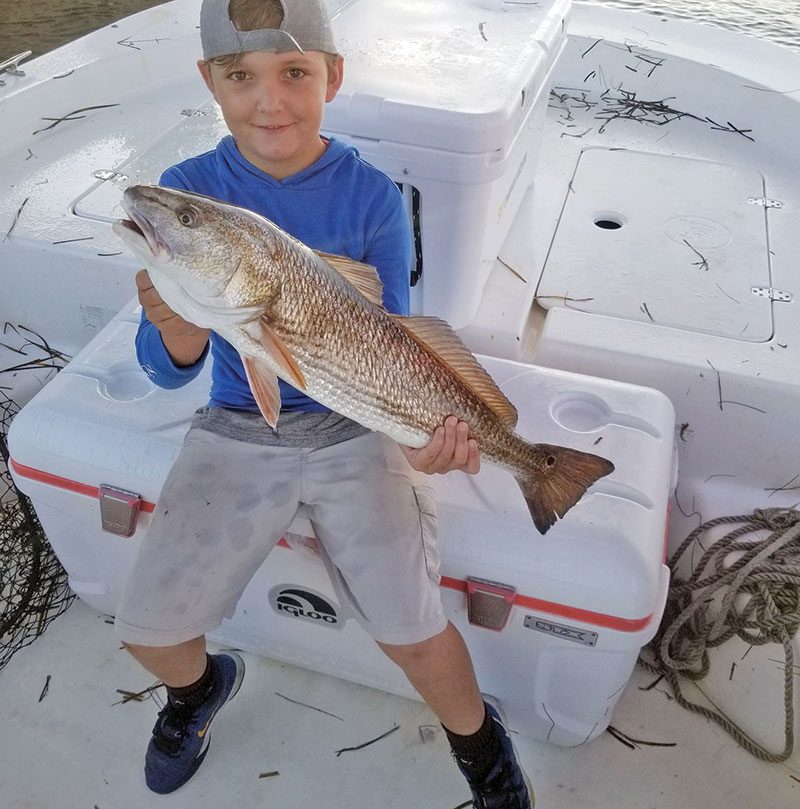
(273, 103)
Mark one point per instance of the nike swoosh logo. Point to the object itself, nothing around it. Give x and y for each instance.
(202, 731)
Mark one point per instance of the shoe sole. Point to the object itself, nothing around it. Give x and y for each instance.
(495, 703)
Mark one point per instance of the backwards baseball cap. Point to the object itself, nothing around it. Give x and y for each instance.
(306, 26)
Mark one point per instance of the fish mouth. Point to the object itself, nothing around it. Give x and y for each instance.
(139, 229)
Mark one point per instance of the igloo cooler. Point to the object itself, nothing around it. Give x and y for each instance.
(554, 623)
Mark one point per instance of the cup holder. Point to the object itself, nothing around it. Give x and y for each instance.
(581, 412)
(125, 384)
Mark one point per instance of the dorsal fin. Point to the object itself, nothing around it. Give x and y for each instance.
(440, 338)
(364, 277)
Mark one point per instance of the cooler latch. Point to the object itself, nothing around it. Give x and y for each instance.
(489, 603)
(119, 510)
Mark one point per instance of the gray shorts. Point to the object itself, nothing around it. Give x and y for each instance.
(225, 504)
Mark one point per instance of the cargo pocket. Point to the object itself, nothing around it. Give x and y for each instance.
(428, 523)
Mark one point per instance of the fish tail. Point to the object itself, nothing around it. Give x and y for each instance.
(558, 479)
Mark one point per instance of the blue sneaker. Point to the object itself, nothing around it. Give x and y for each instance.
(505, 786)
(181, 738)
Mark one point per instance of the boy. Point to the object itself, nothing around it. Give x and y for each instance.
(272, 65)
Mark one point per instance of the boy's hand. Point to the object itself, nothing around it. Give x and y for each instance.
(449, 449)
(184, 341)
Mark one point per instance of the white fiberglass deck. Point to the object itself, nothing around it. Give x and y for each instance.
(77, 749)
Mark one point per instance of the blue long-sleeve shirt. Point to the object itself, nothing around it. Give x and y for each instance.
(340, 204)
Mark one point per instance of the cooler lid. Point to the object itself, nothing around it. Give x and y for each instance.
(670, 240)
(445, 74)
(103, 421)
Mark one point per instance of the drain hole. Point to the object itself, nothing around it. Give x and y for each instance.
(608, 224)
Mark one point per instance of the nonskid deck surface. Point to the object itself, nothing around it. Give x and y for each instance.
(80, 746)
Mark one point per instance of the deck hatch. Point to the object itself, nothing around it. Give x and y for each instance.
(670, 240)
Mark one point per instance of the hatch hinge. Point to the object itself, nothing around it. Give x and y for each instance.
(489, 603)
(765, 203)
(773, 294)
(109, 174)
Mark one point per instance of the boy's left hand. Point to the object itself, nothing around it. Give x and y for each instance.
(449, 449)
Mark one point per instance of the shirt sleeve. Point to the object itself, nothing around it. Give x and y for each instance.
(389, 251)
(151, 352)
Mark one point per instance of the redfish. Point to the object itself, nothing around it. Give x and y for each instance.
(317, 321)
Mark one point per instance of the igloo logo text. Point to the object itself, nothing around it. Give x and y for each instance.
(304, 604)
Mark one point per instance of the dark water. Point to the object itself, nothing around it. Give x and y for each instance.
(41, 25)
(775, 20)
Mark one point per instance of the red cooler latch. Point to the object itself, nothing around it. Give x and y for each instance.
(119, 510)
(489, 603)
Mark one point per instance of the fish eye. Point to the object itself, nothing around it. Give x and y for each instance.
(188, 216)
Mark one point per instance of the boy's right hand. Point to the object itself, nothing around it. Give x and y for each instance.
(449, 449)
(184, 341)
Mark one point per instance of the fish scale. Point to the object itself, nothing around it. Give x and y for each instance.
(371, 378)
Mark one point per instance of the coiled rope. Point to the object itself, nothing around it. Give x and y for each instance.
(749, 588)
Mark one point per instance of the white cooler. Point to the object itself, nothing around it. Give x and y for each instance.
(554, 624)
(447, 97)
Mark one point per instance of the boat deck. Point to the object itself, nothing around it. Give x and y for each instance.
(82, 747)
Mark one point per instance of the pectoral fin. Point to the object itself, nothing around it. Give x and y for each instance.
(264, 385)
(287, 366)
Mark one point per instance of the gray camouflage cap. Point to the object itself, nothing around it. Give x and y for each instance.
(306, 26)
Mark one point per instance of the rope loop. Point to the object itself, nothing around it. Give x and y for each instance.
(743, 585)
(777, 519)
